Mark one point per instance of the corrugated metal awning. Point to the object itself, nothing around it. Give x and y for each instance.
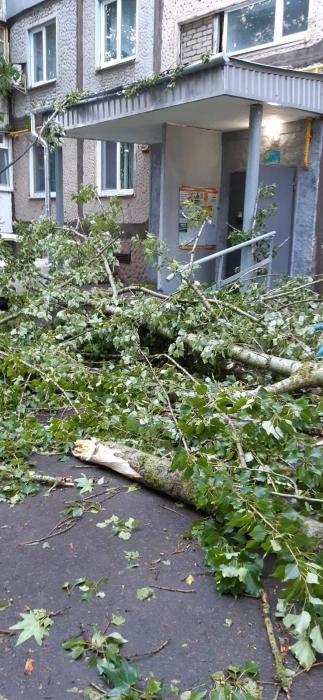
(214, 95)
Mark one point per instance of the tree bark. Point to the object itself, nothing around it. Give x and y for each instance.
(156, 473)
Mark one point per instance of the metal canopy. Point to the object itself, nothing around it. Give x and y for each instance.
(216, 95)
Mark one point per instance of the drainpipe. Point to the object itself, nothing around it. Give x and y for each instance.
(45, 146)
(252, 180)
(308, 137)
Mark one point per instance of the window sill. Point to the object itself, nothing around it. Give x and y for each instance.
(42, 84)
(3, 188)
(116, 64)
(116, 193)
(293, 39)
(41, 196)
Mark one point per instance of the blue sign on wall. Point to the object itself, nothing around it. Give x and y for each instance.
(272, 157)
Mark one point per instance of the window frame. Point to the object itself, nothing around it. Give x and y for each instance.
(278, 30)
(5, 41)
(7, 147)
(32, 192)
(119, 192)
(118, 60)
(34, 30)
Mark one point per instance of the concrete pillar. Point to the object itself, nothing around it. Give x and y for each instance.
(59, 186)
(252, 177)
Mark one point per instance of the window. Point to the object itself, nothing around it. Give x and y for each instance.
(116, 167)
(5, 159)
(265, 22)
(42, 66)
(37, 171)
(3, 42)
(118, 30)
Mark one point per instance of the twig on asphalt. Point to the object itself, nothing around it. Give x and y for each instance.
(173, 511)
(284, 681)
(154, 651)
(173, 590)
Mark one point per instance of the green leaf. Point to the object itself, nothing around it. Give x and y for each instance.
(122, 676)
(124, 535)
(303, 652)
(84, 484)
(46, 545)
(311, 577)
(291, 572)
(300, 622)
(317, 641)
(117, 620)
(144, 593)
(33, 624)
(228, 622)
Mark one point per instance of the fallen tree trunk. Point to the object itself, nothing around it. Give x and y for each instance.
(154, 472)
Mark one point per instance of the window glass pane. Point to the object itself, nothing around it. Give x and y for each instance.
(1, 41)
(51, 51)
(126, 166)
(4, 177)
(110, 28)
(251, 26)
(52, 171)
(38, 56)
(128, 28)
(109, 165)
(39, 170)
(295, 16)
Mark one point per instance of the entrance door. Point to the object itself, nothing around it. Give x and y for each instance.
(284, 179)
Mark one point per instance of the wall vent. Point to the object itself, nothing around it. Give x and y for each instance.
(124, 258)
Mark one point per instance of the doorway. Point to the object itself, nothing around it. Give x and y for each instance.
(284, 179)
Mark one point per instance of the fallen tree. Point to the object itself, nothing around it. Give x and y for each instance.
(220, 389)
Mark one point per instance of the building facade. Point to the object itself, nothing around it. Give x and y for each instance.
(101, 46)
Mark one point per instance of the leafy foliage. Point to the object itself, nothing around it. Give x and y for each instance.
(86, 587)
(80, 358)
(35, 623)
(120, 527)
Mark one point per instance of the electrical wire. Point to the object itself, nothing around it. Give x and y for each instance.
(18, 158)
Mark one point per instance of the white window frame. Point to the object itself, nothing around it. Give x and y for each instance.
(5, 41)
(32, 193)
(34, 30)
(114, 61)
(278, 31)
(118, 191)
(7, 145)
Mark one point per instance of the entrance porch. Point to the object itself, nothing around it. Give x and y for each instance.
(225, 125)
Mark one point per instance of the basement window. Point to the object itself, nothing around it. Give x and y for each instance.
(42, 54)
(264, 23)
(115, 168)
(118, 31)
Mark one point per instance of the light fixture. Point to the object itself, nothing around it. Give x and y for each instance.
(273, 129)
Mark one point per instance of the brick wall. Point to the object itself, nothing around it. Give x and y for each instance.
(196, 39)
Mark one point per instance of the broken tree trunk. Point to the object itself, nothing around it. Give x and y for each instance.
(154, 472)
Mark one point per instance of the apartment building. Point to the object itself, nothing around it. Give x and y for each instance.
(61, 45)
(248, 94)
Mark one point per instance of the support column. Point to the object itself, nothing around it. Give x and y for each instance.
(252, 178)
(59, 186)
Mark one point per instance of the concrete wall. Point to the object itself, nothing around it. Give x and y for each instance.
(190, 157)
(177, 11)
(291, 146)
